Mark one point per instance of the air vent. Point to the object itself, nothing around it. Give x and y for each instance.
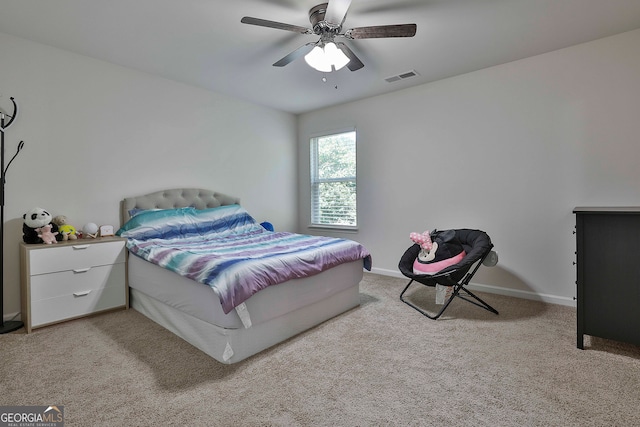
(402, 76)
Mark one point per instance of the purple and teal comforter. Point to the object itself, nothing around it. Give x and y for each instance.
(228, 250)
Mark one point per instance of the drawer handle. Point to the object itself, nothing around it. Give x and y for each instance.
(80, 246)
(81, 270)
(81, 293)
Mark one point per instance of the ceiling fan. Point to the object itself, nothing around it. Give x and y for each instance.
(326, 21)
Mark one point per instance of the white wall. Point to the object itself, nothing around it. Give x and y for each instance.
(510, 150)
(96, 132)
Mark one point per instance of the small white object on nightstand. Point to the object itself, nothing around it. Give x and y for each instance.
(106, 230)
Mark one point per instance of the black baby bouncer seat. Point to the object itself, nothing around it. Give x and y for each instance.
(477, 251)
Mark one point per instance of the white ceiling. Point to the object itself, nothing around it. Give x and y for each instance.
(203, 43)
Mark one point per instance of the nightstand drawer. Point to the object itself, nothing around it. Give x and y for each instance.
(76, 256)
(45, 286)
(82, 303)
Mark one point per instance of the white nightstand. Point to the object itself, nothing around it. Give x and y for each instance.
(72, 279)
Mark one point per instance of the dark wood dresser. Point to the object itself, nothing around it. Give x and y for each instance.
(608, 273)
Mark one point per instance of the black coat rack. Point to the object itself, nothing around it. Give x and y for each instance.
(10, 325)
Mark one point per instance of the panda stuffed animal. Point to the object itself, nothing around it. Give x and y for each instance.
(37, 218)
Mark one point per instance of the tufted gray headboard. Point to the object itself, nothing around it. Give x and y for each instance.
(175, 198)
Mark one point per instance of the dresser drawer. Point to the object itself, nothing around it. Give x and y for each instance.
(64, 307)
(75, 257)
(52, 285)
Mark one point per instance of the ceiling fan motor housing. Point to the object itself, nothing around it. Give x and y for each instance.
(319, 25)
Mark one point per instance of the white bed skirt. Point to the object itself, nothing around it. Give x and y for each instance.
(233, 345)
(277, 313)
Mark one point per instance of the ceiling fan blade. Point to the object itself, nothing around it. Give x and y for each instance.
(337, 11)
(354, 62)
(276, 25)
(382, 31)
(302, 50)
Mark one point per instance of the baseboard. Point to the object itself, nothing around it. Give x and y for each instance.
(11, 316)
(517, 293)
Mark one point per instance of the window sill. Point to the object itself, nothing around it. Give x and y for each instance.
(340, 228)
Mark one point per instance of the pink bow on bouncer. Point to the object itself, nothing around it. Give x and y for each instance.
(424, 240)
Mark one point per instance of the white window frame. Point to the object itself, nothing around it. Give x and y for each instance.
(315, 181)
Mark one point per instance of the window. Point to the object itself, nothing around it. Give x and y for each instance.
(333, 180)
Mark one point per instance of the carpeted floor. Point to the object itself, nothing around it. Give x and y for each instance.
(380, 364)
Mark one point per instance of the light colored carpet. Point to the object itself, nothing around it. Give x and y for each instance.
(380, 364)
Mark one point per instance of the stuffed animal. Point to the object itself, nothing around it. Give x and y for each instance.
(438, 250)
(424, 240)
(37, 218)
(68, 231)
(48, 237)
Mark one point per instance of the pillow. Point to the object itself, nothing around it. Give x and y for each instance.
(189, 222)
(149, 217)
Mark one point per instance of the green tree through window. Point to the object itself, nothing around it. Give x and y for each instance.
(333, 180)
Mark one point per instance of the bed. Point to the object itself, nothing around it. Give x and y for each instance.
(199, 314)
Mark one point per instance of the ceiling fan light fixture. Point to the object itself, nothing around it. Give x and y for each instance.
(336, 56)
(316, 59)
(323, 58)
